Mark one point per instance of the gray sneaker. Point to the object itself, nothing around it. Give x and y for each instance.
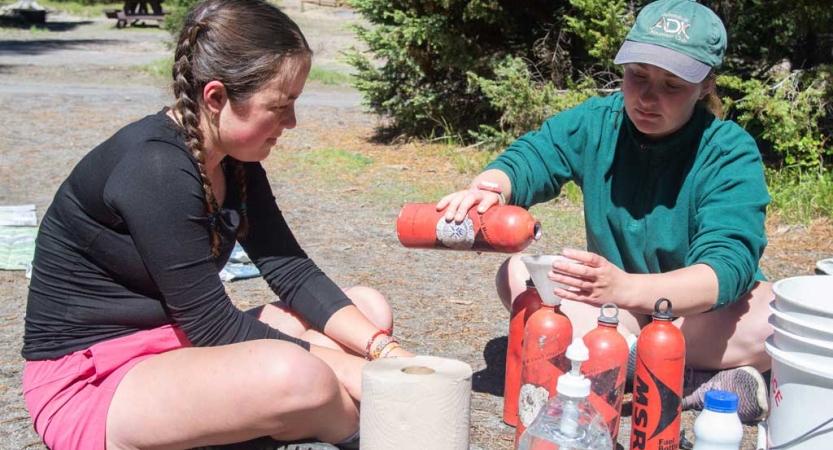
(309, 446)
(746, 382)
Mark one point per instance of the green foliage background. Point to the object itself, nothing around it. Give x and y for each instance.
(490, 70)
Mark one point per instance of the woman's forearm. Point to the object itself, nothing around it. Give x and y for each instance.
(691, 290)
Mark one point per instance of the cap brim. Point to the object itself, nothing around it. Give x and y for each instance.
(683, 66)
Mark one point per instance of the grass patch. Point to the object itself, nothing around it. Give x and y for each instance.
(333, 161)
(160, 68)
(800, 197)
(39, 29)
(329, 77)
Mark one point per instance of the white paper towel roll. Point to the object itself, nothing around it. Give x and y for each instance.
(418, 403)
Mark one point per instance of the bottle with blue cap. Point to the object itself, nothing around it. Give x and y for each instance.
(718, 427)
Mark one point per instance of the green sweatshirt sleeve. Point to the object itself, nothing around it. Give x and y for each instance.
(730, 210)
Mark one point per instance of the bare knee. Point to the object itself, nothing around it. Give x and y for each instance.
(738, 331)
(757, 329)
(288, 380)
(372, 304)
(308, 399)
(510, 280)
(305, 398)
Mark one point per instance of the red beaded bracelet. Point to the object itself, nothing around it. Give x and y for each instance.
(370, 342)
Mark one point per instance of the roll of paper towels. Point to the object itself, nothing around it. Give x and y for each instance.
(416, 403)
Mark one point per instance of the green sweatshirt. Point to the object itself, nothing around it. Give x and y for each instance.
(696, 197)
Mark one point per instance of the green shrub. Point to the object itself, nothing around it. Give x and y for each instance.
(329, 77)
(420, 54)
(785, 115)
(177, 11)
(524, 101)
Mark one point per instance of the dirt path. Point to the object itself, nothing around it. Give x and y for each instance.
(65, 91)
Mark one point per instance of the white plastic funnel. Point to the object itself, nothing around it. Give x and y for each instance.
(539, 266)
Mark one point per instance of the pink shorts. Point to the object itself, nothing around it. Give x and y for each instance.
(68, 398)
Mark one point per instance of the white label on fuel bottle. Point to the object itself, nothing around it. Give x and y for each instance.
(531, 399)
(457, 236)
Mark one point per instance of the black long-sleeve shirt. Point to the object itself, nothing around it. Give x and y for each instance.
(125, 246)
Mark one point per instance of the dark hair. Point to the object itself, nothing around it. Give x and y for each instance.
(243, 44)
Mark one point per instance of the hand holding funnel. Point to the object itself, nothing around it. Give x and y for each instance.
(539, 266)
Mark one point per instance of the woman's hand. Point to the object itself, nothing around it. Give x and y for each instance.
(458, 204)
(594, 280)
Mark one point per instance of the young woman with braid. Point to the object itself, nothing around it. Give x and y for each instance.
(130, 339)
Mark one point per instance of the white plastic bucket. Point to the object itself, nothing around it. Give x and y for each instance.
(800, 326)
(801, 347)
(806, 298)
(811, 348)
(801, 400)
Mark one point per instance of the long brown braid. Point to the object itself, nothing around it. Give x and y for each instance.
(243, 44)
(240, 181)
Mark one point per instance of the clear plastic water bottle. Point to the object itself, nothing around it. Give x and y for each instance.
(568, 420)
(718, 427)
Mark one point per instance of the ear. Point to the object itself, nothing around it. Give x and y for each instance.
(708, 87)
(214, 97)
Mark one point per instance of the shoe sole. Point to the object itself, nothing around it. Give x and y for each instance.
(761, 393)
(308, 446)
(268, 444)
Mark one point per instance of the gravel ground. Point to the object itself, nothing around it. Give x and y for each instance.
(66, 90)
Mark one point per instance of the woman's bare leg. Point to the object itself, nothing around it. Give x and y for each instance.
(200, 396)
(733, 336)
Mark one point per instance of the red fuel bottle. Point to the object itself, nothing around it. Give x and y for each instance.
(547, 335)
(522, 308)
(502, 228)
(658, 383)
(607, 367)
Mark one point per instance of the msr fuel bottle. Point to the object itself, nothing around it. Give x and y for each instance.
(658, 383)
(502, 228)
(522, 308)
(607, 367)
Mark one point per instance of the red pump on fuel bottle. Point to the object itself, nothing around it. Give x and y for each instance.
(547, 335)
(607, 367)
(502, 228)
(522, 308)
(658, 382)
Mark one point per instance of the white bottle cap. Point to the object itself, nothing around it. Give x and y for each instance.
(573, 383)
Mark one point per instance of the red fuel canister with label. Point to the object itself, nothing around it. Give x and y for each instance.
(547, 335)
(522, 308)
(502, 228)
(658, 383)
(607, 367)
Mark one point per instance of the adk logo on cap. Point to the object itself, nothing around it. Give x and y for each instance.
(672, 26)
